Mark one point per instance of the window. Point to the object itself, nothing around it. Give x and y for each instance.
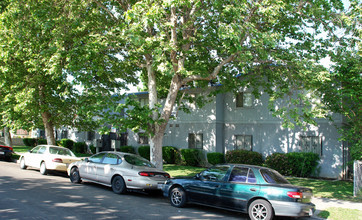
(142, 138)
(96, 158)
(244, 99)
(91, 135)
(271, 176)
(243, 142)
(143, 101)
(64, 134)
(216, 173)
(137, 161)
(311, 144)
(196, 141)
(242, 175)
(111, 159)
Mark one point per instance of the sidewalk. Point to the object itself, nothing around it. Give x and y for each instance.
(324, 203)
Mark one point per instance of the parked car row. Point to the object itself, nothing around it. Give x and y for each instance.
(261, 192)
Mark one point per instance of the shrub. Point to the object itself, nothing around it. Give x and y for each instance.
(144, 151)
(169, 154)
(127, 149)
(215, 158)
(244, 157)
(192, 157)
(92, 149)
(80, 147)
(300, 164)
(42, 141)
(67, 143)
(30, 142)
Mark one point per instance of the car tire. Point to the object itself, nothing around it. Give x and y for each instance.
(260, 210)
(74, 175)
(22, 163)
(43, 169)
(118, 185)
(178, 197)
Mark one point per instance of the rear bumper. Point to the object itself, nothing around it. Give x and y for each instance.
(294, 209)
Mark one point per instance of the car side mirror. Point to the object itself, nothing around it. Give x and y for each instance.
(86, 159)
(198, 176)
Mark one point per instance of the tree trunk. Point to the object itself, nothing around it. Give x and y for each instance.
(8, 141)
(49, 130)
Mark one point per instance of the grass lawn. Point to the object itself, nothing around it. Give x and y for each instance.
(340, 213)
(334, 189)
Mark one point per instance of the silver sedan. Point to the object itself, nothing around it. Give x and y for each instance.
(118, 170)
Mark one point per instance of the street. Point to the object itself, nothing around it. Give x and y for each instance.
(26, 194)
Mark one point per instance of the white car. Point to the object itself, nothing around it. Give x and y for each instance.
(118, 170)
(48, 157)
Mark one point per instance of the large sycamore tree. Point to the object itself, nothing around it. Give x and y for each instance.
(55, 67)
(268, 45)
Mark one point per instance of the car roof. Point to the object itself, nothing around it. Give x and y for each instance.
(117, 152)
(245, 165)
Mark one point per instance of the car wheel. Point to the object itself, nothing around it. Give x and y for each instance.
(260, 210)
(118, 185)
(74, 175)
(178, 197)
(43, 169)
(22, 163)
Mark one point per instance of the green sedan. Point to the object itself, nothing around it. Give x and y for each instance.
(259, 191)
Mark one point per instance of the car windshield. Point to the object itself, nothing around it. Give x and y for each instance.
(60, 151)
(137, 161)
(272, 176)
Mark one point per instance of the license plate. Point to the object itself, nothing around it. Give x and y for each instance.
(2, 152)
(310, 212)
(160, 186)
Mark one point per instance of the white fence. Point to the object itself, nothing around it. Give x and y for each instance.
(357, 178)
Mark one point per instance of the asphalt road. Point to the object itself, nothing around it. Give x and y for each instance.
(26, 194)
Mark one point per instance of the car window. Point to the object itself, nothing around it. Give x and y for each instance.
(239, 174)
(272, 176)
(96, 158)
(137, 161)
(42, 150)
(35, 150)
(60, 151)
(216, 173)
(111, 159)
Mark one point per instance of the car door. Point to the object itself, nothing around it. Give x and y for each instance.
(89, 169)
(240, 187)
(205, 188)
(106, 169)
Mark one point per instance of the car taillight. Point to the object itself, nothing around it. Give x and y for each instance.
(57, 160)
(167, 175)
(146, 174)
(295, 195)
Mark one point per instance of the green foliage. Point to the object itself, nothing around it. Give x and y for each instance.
(144, 151)
(215, 158)
(244, 157)
(68, 143)
(301, 164)
(128, 149)
(192, 157)
(79, 147)
(42, 141)
(31, 142)
(169, 154)
(92, 149)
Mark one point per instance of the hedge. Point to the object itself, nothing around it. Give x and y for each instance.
(68, 143)
(144, 151)
(300, 164)
(80, 147)
(215, 158)
(169, 154)
(192, 157)
(30, 142)
(244, 157)
(127, 149)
